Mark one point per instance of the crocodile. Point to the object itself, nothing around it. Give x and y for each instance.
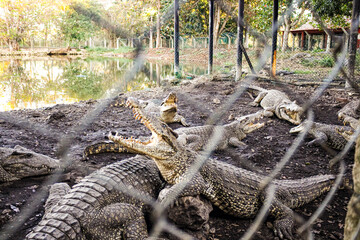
(99, 208)
(234, 190)
(350, 113)
(278, 103)
(195, 137)
(18, 162)
(324, 133)
(345, 132)
(165, 110)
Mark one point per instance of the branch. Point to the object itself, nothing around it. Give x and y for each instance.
(293, 24)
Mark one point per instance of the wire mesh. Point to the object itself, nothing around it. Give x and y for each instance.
(216, 118)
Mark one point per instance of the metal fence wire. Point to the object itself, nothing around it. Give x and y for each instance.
(162, 224)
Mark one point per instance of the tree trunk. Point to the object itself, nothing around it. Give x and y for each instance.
(151, 33)
(158, 39)
(216, 24)
(328, 42)
(352, 216)
(285, 44)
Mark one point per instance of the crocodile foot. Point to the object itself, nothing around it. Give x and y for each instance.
(283, 228)
(253, 104)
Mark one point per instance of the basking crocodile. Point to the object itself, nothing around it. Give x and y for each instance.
(166, 110)
(19, 162)
(278, 103)
(234, 190)
(194, 137)
(97, 208)
(324, 133)
(350, 113)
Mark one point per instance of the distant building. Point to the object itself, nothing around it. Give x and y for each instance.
(308, 37)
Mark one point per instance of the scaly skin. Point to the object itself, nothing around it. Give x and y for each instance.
(166, 110)
(234, 190)
(96, 208)
(324, 133)
(350, 113)
(194, 137)
(278, 103)
(19, 162)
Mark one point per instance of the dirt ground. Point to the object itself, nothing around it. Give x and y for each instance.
(197, 100)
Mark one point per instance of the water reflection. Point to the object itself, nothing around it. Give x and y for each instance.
(34, 83)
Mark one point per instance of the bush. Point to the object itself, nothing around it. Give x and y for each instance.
(326, 61)
(308, 62)
(317, 50)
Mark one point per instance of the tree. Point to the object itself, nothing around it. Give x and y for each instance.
(291, 20)
(76, 27)
(18, 18)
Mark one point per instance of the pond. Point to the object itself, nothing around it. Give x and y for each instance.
(41, 82)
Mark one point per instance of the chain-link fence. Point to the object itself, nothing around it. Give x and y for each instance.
(162, 224)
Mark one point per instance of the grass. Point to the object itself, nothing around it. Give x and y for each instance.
(303, 72)
(99, 50)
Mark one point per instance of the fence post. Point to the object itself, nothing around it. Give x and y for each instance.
(211, 35)
(176, 37)
(274, 37)
(354, 29)
(240, 32)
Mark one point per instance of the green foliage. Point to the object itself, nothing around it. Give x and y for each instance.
(76, 27)
(326, 61)
(102, 50)
(333, 12)
(317, 50)
(303, 72)
(331, 8)
(308, 62)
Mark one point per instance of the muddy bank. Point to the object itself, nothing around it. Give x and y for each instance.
(197, 100)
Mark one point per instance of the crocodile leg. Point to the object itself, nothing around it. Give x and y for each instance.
(258, 99)
(235, 142)
(196, 186)
(320, 138)
(284, 222)
(118, 221)
(180, 119)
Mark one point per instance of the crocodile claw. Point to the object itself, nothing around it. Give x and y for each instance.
(283, 228)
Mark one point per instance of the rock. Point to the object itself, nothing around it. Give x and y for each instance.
(191, 212)
(14, 208)
(36, 114)
(55, 116)
(216, 101)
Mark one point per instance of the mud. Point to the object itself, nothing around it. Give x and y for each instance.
(197, 100)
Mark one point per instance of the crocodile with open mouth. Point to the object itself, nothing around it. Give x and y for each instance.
(165, 110)
(18, 162)
(278, 103)
(324, 133)
(195, 137)
(234, 190)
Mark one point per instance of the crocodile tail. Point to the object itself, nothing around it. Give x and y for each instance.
(56, 226)
(104, 147)
(305, 190)
(253, 88)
